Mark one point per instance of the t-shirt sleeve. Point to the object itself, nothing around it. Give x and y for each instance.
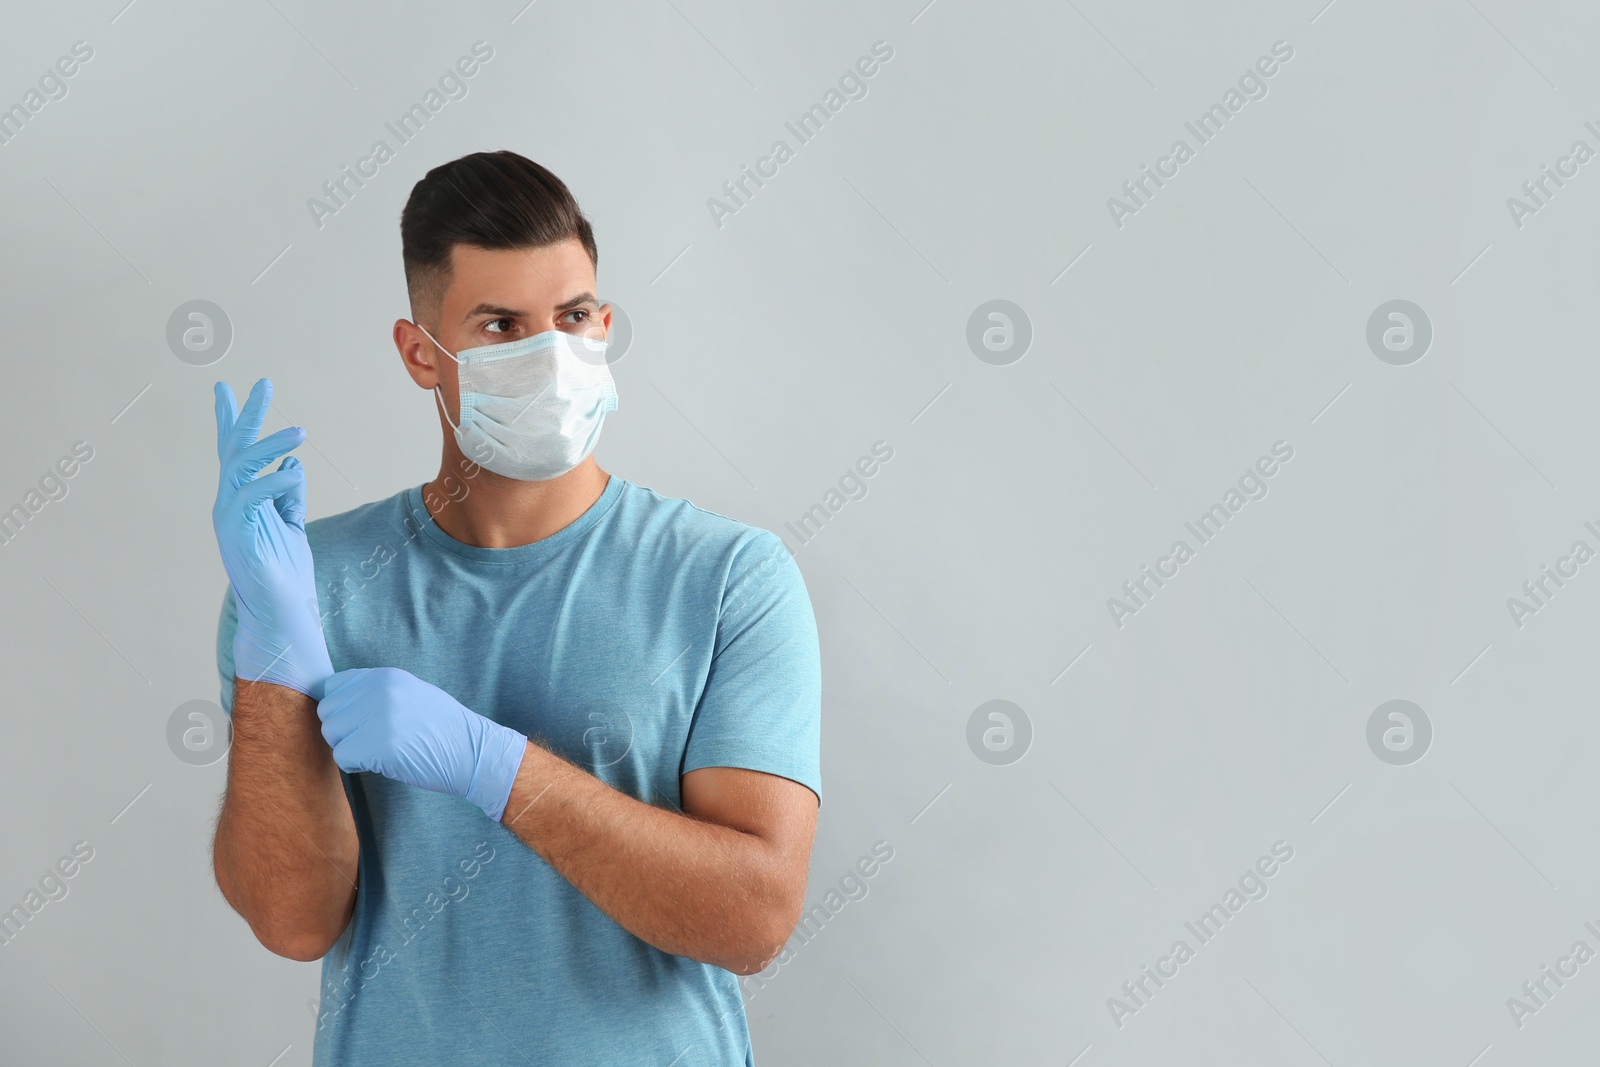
(761, 708)
(227, 622)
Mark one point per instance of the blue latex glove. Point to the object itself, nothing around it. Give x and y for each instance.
(390, 722)
(261, 531)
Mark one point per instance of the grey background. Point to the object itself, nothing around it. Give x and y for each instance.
(769, 354)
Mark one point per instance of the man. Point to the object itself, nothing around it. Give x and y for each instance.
(529, 755)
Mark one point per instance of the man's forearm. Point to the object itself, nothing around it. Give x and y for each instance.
(286, 850)
(685, 885)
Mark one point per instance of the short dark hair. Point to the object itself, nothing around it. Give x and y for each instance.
(494, 200)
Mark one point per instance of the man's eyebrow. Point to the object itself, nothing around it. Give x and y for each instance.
(514, 313)
(493, 309)
(581, 298)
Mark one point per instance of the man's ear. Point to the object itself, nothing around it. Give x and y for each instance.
(417, 354)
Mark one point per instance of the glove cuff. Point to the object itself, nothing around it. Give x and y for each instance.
(304, 668)
(499, 759)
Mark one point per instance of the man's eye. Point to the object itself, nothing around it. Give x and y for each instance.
(583, 312)
(490, 325)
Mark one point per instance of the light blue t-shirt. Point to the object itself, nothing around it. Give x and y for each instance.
(646, 639)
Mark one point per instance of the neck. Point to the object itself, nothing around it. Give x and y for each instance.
(488, 510)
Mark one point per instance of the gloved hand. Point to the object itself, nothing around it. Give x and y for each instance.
(390, 722)
(261, 531)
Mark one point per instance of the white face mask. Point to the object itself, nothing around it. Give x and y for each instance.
(531, 409)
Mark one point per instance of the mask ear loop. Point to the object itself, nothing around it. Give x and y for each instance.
(437, 395)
